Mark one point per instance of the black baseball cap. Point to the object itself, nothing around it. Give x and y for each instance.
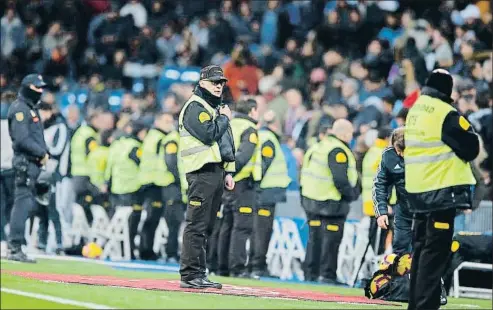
(33, 79)
(212, 73)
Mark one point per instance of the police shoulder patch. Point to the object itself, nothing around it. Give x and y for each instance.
(204, 117)
(19, 116)
(92, 145)
(341, 157)
(171, 148)
(267, 151)
(253, 138)
(139, 153)
(463, 123)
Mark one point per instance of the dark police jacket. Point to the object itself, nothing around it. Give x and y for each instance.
(465, 145)
(390, 173)
(26, 130)
(218, 131)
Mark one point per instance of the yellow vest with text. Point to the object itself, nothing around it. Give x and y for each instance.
(166, 177)
(276, 175)
(238, 126)
(371, 161)
(78, 157)
(152, 166)
(97, 160)
(317, 181)
(124, 170)
(430, 163)
(192, 151)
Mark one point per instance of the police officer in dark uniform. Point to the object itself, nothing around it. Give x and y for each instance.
(30, 153)
(207, 152)
(237, 213)
(329, 182)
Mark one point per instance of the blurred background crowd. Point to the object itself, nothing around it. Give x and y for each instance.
(311, 62)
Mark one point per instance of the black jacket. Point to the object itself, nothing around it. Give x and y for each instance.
(390, 173)
(210, 131)
(26, 130)
(465, 144)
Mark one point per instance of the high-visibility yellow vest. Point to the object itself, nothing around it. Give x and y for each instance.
(152, 167)
(371, 161)
(317, 181)
(124, 170)
(78, 157)
(97, 160)
(306, 159)
(238, 126)
(192, 151)
(276, 175)
(430, 163)
(165, 177)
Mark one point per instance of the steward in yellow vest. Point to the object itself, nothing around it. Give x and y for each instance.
(163, 172)
(329, 182)
(84, 140)
(122, 173)
(440, 143)
(272, 168)
(97, 160)
(238, 205)
(207, 152)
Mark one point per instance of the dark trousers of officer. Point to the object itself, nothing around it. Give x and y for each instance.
(46, 214)
(236, 228)
(432, 238)
(205, 189)
(174, 214)
(212, 244)
(263, 220)
(134, 200)
(26, 174)
(323, 246)
(6, 199)
(403, 234)
(224, 236)
(85, 192)
(154, 205)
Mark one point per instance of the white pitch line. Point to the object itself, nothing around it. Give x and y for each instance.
(59, 300)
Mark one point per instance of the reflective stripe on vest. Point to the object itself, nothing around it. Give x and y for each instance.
(430, 163)
(317, 182)
(152, 166)
(192, 151)
(276, 175)
(125, 171)
(78, 155)
(238, 126)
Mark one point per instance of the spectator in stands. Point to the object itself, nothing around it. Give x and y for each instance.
(137, 11)
(167, 42)
(442, 50)
(12, 32)
(241, 72)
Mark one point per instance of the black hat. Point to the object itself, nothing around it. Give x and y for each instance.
(212, 73)
(33, 79)
(441, 80)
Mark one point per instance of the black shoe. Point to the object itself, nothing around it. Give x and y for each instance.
(243, 275)
(60, 252)
(17, 255)
(330, 281)
(443, 295)
(257, 275)
(200, 283)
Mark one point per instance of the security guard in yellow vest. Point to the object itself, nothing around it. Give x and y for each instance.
(440, 143)
(371, 162)
(329, 182)
(160, 169)
(272, 169)
(84, 140)
(96, 161)
(238, 205)
(207, 152)
(122, 174)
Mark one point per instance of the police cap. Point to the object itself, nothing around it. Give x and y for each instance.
(212, 73)
(33, 79)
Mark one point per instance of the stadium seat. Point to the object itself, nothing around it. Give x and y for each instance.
(80, 226)
(161, 237)
(100, 224)
(471, 292)
(118, 236)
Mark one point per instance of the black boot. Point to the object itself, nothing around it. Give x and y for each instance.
(200, 283)
(443, 295)
(16, 254)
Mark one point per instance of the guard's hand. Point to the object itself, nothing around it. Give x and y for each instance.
(229, 183)
(224, 110)
(45, 159)
(104, 188)
(383, 221)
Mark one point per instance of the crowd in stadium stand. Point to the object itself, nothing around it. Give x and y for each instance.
(361, 60)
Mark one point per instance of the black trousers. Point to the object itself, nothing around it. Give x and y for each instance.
(205, 189)
(46, 214)
(403, 234)
(6, 199)
(212, 245)
(154, 204)
(323, 246)
(174, 214)
(432, 238)
(26, 174)
(85, 193)
(263, 220)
